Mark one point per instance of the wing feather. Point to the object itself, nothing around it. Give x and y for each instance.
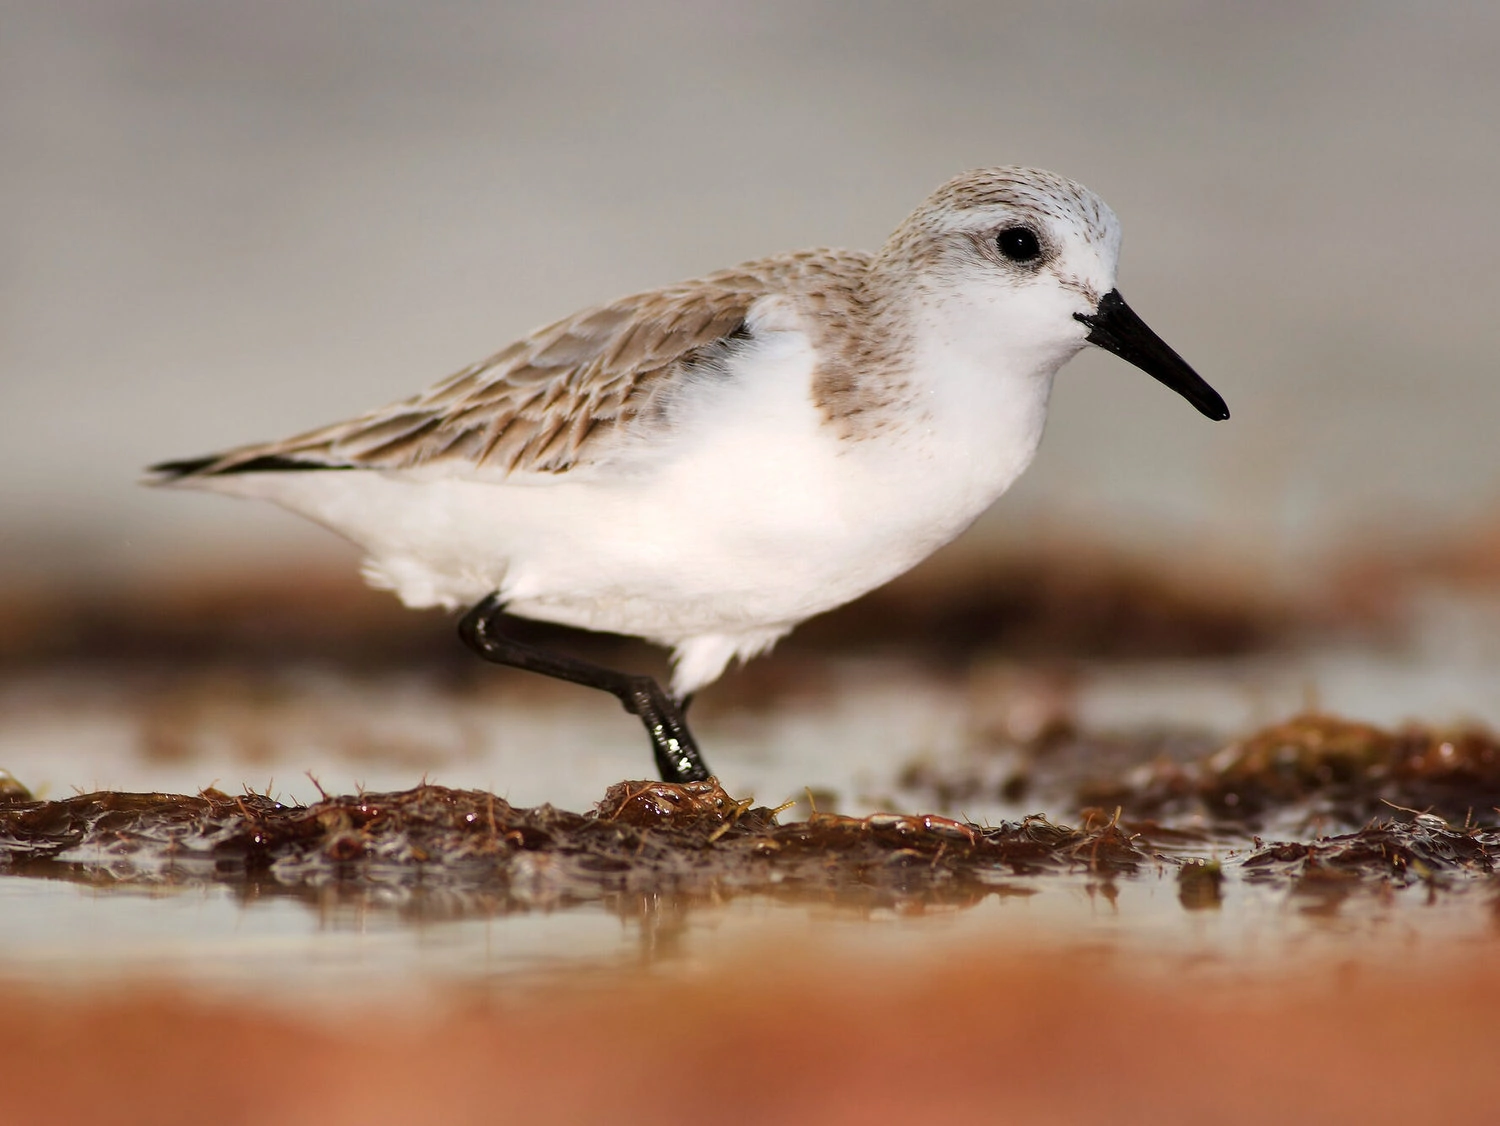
(545, 403)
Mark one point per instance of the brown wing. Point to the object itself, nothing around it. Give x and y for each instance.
(538, 405)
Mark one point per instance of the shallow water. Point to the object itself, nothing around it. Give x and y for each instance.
(998, 739)
(296, 948)
(850, 734)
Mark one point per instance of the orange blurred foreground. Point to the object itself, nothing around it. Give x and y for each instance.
(1074, 1040)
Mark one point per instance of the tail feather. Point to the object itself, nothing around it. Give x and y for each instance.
(220, 465)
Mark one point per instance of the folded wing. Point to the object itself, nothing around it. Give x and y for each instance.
(540, 405)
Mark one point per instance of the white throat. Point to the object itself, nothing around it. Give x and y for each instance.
(982, 384)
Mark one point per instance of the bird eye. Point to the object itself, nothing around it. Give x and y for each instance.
(1019, 244)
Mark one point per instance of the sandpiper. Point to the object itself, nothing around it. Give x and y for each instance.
(708, 464)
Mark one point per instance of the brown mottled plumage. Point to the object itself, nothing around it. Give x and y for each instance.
(542, 404)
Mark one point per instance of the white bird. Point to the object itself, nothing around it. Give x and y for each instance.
(708, 464)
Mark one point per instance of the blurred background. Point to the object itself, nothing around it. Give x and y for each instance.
(228, 222)
(225, 222)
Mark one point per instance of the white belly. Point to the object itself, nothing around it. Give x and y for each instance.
(749, 516)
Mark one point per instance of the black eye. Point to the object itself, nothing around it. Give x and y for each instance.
(1019, 244)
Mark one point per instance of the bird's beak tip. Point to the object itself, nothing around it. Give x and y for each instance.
(1116, 328)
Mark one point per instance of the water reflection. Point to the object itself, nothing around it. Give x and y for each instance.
(220, 926)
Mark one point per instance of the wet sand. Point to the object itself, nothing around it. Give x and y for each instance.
(992, 1035)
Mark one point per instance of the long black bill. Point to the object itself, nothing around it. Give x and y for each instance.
(1116, 328)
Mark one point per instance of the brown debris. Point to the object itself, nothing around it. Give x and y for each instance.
(1372, 578)
(1424, 848)
(1062, 599)
(1200, 884)
(11, 789)
(643, 836)
(1324, 767)
(1416, 804)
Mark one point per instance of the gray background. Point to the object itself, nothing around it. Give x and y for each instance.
(222, 222)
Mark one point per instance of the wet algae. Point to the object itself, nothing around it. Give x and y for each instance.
(1322, 769)
(1417, 806)
(643, 836)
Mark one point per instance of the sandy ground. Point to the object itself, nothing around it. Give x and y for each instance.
(991, 1036)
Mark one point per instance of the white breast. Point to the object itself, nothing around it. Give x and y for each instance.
(716, 534)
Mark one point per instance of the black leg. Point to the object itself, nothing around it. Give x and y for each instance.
(677, 757)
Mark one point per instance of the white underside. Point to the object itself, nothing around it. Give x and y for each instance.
(742, 517)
